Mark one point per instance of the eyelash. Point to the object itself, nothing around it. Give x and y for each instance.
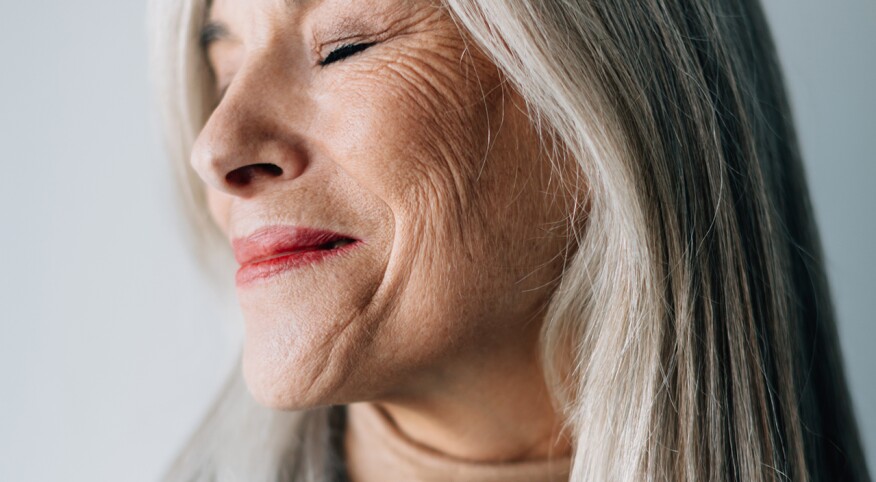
(344, 52)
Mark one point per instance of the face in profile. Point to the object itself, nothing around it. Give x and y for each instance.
(396, 219)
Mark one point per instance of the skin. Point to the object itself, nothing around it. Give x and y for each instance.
(416, 147)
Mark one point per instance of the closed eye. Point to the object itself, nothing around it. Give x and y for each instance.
(344, 52)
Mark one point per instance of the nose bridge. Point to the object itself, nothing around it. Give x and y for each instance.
(252, 138)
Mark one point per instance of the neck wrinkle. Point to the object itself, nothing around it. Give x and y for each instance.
(376, 450)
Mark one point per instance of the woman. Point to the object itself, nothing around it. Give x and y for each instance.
(517, 240)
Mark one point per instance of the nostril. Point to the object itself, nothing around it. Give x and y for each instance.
(247, 174)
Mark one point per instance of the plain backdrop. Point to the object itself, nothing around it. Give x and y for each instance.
(112, 344)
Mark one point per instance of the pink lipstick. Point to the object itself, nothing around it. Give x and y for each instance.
(274, 249)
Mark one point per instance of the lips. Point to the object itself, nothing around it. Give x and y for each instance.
(274, 249)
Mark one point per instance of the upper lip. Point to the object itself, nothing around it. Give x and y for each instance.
(272, 241)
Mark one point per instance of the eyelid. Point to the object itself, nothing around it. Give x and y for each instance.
(341, 42)
(366, 34)
(360, 46)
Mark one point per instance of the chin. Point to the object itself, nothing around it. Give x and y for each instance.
(281, 385)
(300, 363)
(303, 343)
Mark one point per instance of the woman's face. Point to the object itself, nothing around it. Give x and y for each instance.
(409, 146)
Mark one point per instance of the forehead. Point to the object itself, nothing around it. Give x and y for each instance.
(260, 14)
(296, 6)
(232, 8)
(287, 4)
(253, 16)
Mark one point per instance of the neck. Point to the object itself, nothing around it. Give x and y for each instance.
(501, 412)
(518, 424)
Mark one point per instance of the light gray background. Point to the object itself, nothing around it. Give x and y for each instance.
(111, 344)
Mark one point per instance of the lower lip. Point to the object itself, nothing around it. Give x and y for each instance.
(251, 273)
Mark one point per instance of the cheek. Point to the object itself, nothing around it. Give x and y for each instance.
(451, 272)
(467, 204)
(414, 131)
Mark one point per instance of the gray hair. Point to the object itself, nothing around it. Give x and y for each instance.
(692, 336)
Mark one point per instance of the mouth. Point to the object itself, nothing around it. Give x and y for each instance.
(272, 250)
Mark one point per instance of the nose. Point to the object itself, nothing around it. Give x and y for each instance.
(250, 142)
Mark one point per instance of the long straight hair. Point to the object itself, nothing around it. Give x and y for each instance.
(692, 335)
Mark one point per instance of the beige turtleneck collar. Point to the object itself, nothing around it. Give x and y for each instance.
(375, 449)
